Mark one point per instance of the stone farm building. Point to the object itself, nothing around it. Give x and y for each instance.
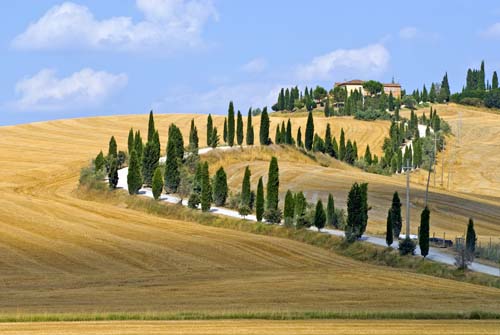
(352, 85)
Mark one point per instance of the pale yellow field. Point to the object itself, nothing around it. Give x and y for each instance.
(64, 254)
(261, 327)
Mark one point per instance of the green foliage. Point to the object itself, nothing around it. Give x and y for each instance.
(289, 209)
(309, 136)
(368, 155)
(157, 187)
(342, 148)
(245, 188)
(423, 233)
(328, 141)
(299, 138)
(206, 189)
(151, 156)
(225, 130)
(214, 141)
(230, 124)
(134, 177)
(373, 87)
(113, 149)
(372, 114)
(492, 99)
(273, 183)
(319, 216)
(407, 247)
(388, 232)
(288, 135)
(494, 81)
(210, 127)
(99, 162)
(131, 140)
(239, 129)
(259, 203)
(194, 200)
(250, 133)
(193, 138)
(151, 127)
(138, 145)
(264, 127)
(355, 215)
(175, 154)
(397, 220)
(470, 239)
(113, 172)
(273, 215)
(330, 211)
(92, 179)
(220, 187)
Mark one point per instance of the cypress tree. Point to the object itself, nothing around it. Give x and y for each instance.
(397, 221)
(309, 136)
(299, 138)
(130, 141)
(335, 148)
(494, 81)
(342, 147)
(363, 189)
(210, 127)
(319, 216)
(328, 141)
(432, 93)
(220, 187)
(391, 102)
(354, 213)
(134, 178)
(355, 151)
(470, 239)
(193, 138)
(245, 188)
(206, 189)
(157, 184)
(330, 211)
(259, 202)
(151, 127)
(327, 108)
(230, 124)
(225, 130)
(388, 232)
(288, 137)
(264, 127)
(349, 153)
(138, 145)
(150, 161)
(283, 133)
(249, 128)
(289, 207)
(113, 172)
(444, 92)
(99, 162)
(300, 209)
(113, 149)
(423, 233)
(172, 174)
(239, 129)
(277, 135)
(273, 183)
(215, 138)
(368, 155)
(481, 78)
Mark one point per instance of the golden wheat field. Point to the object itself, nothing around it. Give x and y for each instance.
(61, 253)
(403, 327)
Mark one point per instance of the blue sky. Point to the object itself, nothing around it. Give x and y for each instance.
(85, 58)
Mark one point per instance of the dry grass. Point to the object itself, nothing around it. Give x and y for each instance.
(346, 327)
(61, 253)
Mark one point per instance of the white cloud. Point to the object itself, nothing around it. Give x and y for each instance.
(408, 33)
(256, 65)
(45, 91)
(492, 31)
(372, 59)
(168, 24)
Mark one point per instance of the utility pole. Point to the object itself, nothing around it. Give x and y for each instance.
(407, 169)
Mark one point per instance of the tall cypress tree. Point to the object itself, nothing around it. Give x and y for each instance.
(354, 214)
(99, 162)
(494, 81)
(225, 130)
(328, 141)
(130, 141)
(299, 138)
(335, 148)
(210, 127)
(264, 127)
(423, 233)
(330, 211)
(239, 129)
(319, 216)
(397, 220)
(151, 126)
(150, 158)
(389, 235)
(259, 201)
(220, 187)
(157, 184)
(273, 183)
(482, 77)
(206, 189)
(245, 188)
(113, 148)
(342, 147)
(328, 112)
(215, 138)
(444, 92)
(193, 138)
(230, 124)
(470, 239)
(289, 207)
(250, 135)
(277, 135)
(309, 136)
(368, 155)
(113, 172)
(138, 145)
(134, 178)
(288, 137)
(172, 174)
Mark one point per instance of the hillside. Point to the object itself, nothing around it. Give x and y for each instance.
(64, 254)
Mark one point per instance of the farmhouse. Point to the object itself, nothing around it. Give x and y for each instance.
(356, 85)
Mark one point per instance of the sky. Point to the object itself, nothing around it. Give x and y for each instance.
(85, 58)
